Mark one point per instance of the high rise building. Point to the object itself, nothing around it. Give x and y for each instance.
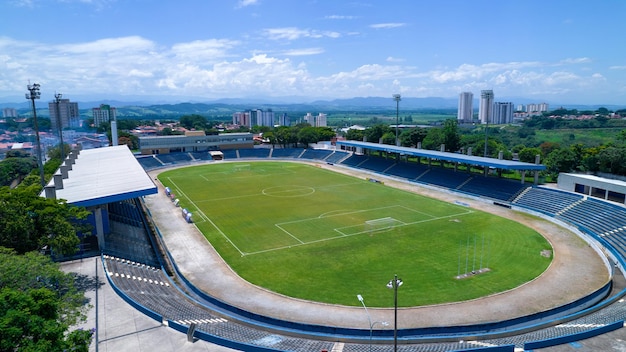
(262, 118)
(316, 121)
(466, 109)
(284, 120)
(502, 113)
(104, 113)
(9, 112)
(68, 114)
(485, 110)
(536, 109)
(242, 119)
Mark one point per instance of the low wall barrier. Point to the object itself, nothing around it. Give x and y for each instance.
(219, 340)
(573, 337)
(503, 348)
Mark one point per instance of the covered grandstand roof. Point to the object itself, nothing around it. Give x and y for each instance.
(103, 175)
(451, 157)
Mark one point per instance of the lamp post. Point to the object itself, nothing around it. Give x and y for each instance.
(394, 284)
(369, 319)
(57, 100)
(33, 93)
(396, 98)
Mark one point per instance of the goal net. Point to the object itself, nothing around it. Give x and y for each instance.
(241, 167)
(382, 224)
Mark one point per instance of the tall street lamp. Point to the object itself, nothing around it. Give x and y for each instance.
(369, 319)
(57, 100)
(33, 93)
(394, 284)
(396, 98)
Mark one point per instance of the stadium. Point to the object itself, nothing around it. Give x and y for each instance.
(157, 260)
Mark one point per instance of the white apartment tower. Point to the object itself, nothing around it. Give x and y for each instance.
(502, 113)
(104, 113)
(316, 121)
(9, 112)
(466, 110)
(68, 114)
(485, 110)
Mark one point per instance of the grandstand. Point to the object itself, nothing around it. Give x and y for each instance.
(137, 271)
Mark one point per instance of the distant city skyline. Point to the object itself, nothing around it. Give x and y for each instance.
(565, 53)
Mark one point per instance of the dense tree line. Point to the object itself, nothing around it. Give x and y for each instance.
(38, 305)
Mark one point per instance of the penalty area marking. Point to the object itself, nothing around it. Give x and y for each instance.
(288, 191)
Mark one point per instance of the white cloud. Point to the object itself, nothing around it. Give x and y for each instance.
(304, 52)
(578, 60)
(216, 68)
(293, 33)
(245, 3)
(394, 59)
(387, 25)
(340, 17)
(211, 50)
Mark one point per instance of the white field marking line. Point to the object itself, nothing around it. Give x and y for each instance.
(289, 233)
(211, 221)
(336, 237)
(339, 229)
(362, 211)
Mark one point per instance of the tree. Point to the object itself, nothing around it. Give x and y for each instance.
(38, 304)
(527, 155)
(354, 135)
(270, 137)
(375, 133)
(308, 135)
(451, 136)
(325, 133)
(561, 160)
(194, 121)
(412, 137)
(389, 138)
(29, 222)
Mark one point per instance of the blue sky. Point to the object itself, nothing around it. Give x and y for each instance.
(569, 52)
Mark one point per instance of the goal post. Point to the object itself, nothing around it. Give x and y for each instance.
(382, 224)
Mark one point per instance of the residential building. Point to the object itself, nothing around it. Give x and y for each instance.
(263, 118)
(242, 119)
(316, 121)
(9, 112)
(502, 113)
(284, 120)
(485, 110)
(104, 113)
(64, 112)
(536, 109)
(465, 113)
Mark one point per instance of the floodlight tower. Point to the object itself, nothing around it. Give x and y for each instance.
(397, 98)
(33, 93)
(394, 284)
(57, 100)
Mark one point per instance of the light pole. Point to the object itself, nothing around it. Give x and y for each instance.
(57, 100)
(394, 284)
(369, 319)
(33, 93)
(396, 98)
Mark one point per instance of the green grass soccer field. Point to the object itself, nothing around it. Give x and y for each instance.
(311, 233)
